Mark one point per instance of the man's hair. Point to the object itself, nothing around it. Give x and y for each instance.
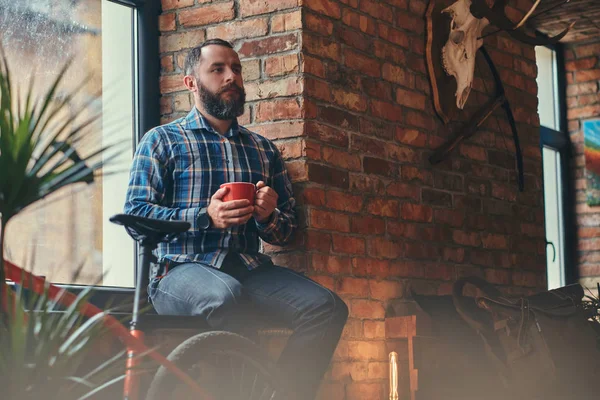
(193, 57)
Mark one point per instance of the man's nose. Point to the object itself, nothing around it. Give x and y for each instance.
(230, 75)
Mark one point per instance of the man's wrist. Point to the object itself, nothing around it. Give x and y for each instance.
(203, 221)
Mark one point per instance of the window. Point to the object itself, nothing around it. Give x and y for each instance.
(70, 231)
(555, 157)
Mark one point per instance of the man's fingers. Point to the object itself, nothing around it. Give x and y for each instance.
(218, 195)
(260, 184)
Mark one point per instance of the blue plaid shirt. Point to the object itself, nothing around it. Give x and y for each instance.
(176, 169)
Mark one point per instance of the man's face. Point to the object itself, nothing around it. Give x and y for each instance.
(220, 84)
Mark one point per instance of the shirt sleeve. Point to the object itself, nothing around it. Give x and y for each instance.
(279, 229)
(150, 182)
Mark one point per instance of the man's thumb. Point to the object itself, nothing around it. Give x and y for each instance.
(260, 184)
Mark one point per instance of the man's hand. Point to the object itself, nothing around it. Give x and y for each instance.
(224, 214)
(264, 202)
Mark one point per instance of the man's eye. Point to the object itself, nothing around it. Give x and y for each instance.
(218, 70)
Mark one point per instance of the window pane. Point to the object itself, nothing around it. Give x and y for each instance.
(70, 230)
(545, 58)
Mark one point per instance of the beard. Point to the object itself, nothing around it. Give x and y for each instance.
(220, 108)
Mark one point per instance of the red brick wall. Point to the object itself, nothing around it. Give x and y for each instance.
(583, 102)
(344, 93)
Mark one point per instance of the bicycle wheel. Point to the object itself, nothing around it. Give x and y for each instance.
(226, 365)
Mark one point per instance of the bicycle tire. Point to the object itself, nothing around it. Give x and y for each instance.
(202, 357)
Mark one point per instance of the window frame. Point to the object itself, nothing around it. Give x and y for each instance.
(560, 141)
(146, 116)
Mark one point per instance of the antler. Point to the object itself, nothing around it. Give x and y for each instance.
(497, 16)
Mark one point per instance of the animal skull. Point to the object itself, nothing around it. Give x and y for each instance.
(458, 54)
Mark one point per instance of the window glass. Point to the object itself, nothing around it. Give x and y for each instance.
(69, 231)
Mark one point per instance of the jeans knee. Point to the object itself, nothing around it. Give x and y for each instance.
(331, 307)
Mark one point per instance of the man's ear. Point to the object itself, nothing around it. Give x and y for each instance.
(190, 83)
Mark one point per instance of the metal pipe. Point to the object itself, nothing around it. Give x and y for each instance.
(393, 375)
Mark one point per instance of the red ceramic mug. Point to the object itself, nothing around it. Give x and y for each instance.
(239, 190)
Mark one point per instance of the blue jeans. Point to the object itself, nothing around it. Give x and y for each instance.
(230, 299)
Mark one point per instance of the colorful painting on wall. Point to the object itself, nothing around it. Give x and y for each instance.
(591, 137)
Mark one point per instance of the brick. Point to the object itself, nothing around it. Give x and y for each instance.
(418, 175)
(348, 244)
(587, 50)
(270, 45)
(359, 21)
(274, 110)
(286, 22)
(166, 22)
(356, 371)
(207, 15)
(383, 248)
(171, 83)
(436, 198)
(239, 29)
(388, 111)
(424, 251)
(378, 166)
(324, 7)
(331, 264)
(398, 75)
(320, 219)
(180, 41)
(394, 36)
(321, 46)
(367, 145)
(378, 128)
(313, 197)
(454, 218)
(349, 100)
(327, 134)
(367, 350)
(410, 99)
(182, 102)
(377, 10)
(377, 88)
(250, 70)
(419, 120)
(527, 279)
(318, 240)
(416, 212)
(588, 75)
(367, 65)
(354, 39)
(171, 4)
(166, 105)
(297, 171)
(403, 154)
(404, 190)
(367, 184)
(360, 308)
(291, 86)
(466, 238)
(318, 24)
(290, 149)
(343, 201)
(389, 52)
(409, 23)
(370, 267)
(354, 287)
(339, 118)
(313, 66)
(386, 290)
(375, 330)
(280, 130)
(166, 64)
(326, 175)
(255, 7)
(583, 112)
(318, 89)
(367, 225)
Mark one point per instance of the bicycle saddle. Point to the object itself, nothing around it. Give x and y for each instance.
(150, 231)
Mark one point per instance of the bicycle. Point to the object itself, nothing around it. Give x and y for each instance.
(214, 365)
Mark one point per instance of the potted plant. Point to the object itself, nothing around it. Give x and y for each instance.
(41, 350)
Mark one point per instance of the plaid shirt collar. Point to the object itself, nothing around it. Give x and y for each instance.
(195, 120)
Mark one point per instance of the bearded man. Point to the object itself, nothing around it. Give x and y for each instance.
(216, 269)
